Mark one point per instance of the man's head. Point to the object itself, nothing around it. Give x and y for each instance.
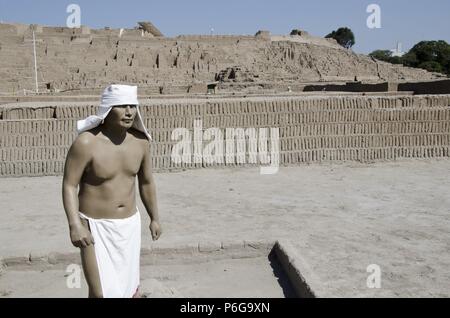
(118, 108)
(121, 116)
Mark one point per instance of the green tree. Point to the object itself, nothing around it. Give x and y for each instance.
(386, 55)
(382, 55)
(431, 53)
(432, 66)
(410, 59)
(396, 60)
(344, 36)
(433, 56)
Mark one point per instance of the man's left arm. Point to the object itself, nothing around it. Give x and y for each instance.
(147, 190)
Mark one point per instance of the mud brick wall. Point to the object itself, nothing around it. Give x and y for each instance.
(435, 87)
(34, 141)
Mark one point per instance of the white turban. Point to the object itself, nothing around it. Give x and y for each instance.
(115, 95)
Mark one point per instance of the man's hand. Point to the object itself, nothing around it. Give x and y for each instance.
(81, 236)
(155, 229)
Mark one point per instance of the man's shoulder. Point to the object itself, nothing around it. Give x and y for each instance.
(82, 146)
(139, 136)
(84, 140)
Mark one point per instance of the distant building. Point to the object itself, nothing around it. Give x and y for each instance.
(147, 26)
(398, 51)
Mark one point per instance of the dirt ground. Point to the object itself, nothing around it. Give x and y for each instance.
(340, 217)
(228, 278)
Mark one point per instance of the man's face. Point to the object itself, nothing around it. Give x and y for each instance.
(122, 115)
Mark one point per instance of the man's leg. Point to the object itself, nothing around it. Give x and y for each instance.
(90, 268)
(137, 294)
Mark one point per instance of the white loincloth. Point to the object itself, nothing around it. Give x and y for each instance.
(117, 250)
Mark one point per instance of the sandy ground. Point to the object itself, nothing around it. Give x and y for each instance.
(227, 278)
(340, 217)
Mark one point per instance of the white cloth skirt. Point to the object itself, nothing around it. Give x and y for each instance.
(117, 250)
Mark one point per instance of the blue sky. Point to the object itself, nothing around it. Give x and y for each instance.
(406, 21)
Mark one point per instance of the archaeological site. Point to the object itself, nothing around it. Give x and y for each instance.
(362, 150)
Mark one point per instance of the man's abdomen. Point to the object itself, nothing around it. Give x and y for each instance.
(112, 199)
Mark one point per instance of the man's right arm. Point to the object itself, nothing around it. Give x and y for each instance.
(78, 157)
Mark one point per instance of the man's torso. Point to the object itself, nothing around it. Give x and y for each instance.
(107, 188)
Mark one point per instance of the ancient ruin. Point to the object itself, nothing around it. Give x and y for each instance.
(267, 76)
(355, 118)
(84, 59)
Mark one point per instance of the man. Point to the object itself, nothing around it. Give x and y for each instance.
(111, 150)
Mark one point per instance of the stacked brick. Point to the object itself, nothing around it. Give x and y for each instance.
(34, 141)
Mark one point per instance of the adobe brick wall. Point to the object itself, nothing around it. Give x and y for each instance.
(434, 87)
(419, 88)
(34, 141)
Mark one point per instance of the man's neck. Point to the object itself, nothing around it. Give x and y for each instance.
(116, 134)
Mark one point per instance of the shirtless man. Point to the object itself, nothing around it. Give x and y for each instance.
(104, 162)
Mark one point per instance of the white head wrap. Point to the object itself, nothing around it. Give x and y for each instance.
(115, 95)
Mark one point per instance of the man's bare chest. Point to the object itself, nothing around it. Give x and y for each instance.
(109, 161)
